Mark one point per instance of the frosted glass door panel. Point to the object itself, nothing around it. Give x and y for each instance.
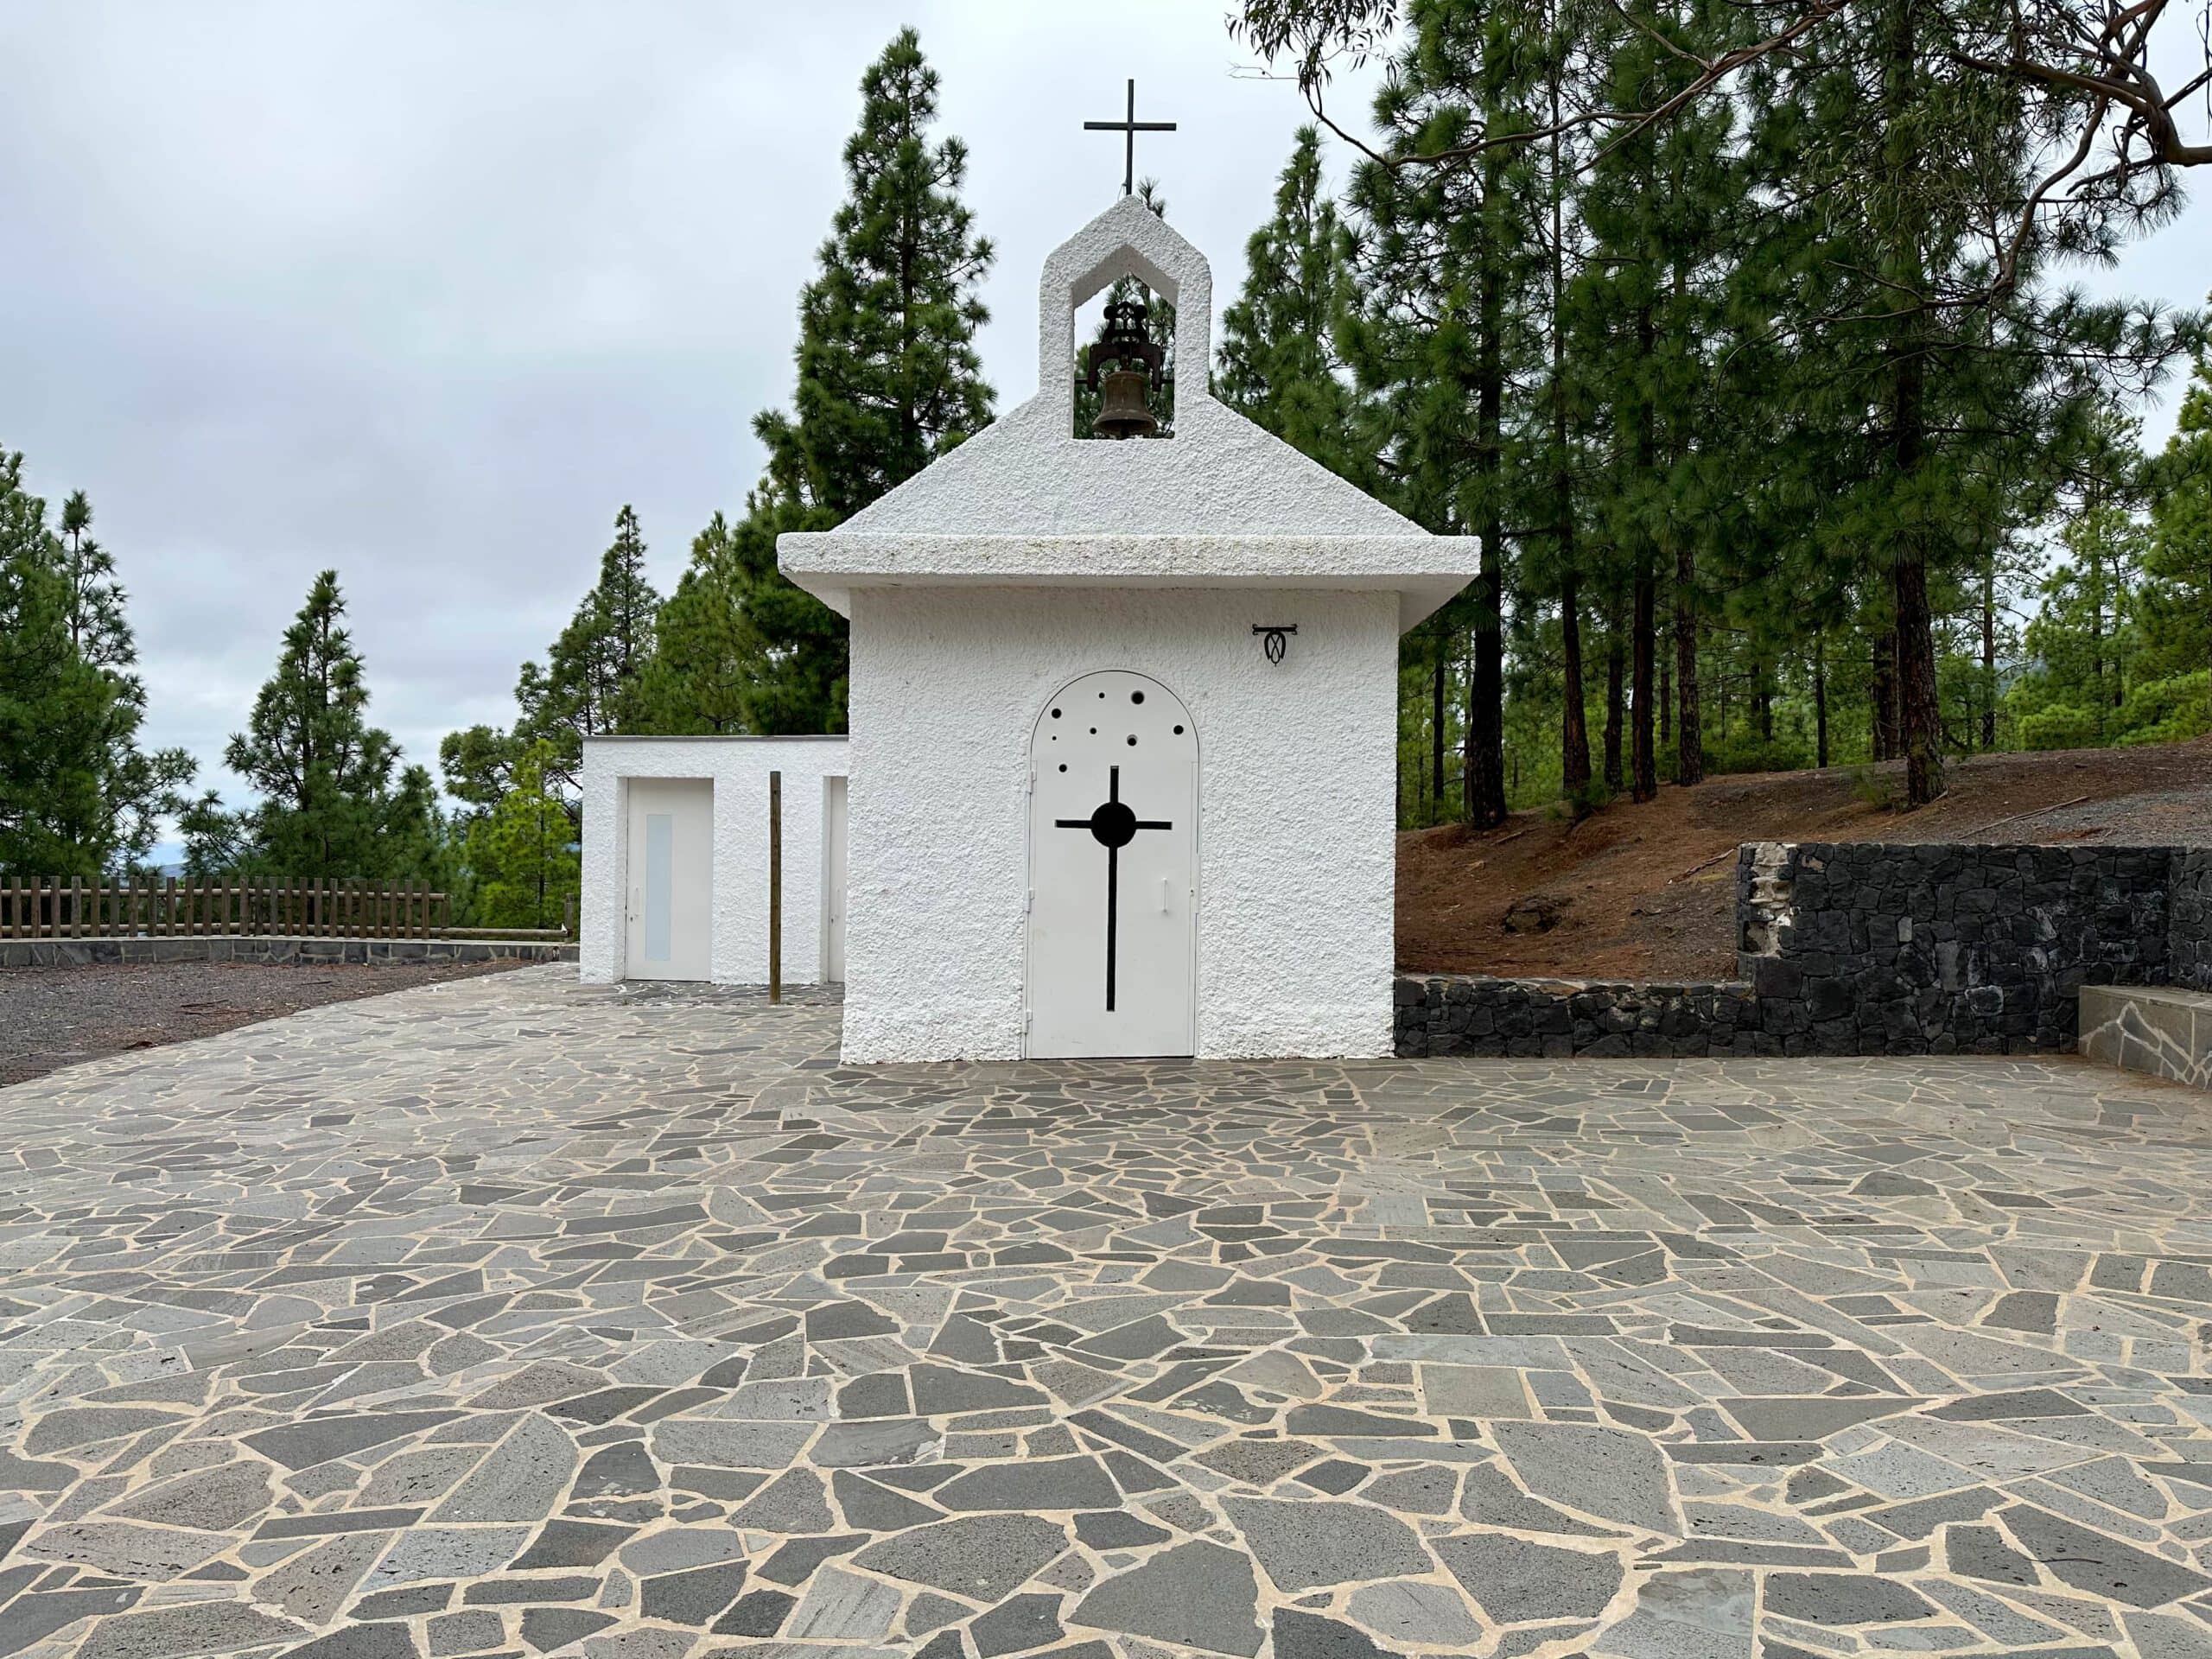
(671, 878)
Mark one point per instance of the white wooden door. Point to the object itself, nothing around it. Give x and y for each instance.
(1113, 869)
(833, 880)
(671, 879)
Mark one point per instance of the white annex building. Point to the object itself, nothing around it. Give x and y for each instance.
(1123, 721)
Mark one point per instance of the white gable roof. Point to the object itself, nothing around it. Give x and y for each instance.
(1222, 502)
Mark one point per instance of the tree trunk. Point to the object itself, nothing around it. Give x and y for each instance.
(1819, 702)
(1689, 721)
(1920, 718)
(1486, 686)
(1666, 693)
(1573, 728)
(1644, 593)
(1882, 692)
(1615, 663)
(1989, 653)
(1436, 697)
(1645, 759)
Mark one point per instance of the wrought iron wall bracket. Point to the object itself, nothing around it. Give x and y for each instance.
(1274, 638)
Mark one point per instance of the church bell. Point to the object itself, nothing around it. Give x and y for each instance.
(1123, 409)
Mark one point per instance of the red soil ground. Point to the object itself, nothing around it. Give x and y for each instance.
(1648, 891)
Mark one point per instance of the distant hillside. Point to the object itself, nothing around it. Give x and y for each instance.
(1648, 891)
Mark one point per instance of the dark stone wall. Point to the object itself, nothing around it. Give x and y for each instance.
(2189, 919)
(1498, 1019)
(1868, 948)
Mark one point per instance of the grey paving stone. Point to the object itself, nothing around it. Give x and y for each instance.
(224, 1627)
(1199, 1594)
(1606, 1472)
(1017, 1625)
(843, 1606)
(548, 1630)
(757, 1613)
(795, 1501)
(878, 1509)
(1424, 1614)
(1842, 1599)
(1515, 1579)
(692, 1597)
(980, 1556)
(1308, 1636)
(573, 1543)
(522, 1479)
(1031, 1485)
(318, 1439)
(1116, 1529)
(1808, 1419)
(214, 1500)
(1982, 1553)
(386, 1641)
(1313, 1541)
(314, 1584)
(474, 1629)
(2101, 1566)
(425, 1552)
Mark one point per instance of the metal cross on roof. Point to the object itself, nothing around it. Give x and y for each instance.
(1131, 126)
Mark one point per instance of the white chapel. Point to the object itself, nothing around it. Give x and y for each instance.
(1121, 775)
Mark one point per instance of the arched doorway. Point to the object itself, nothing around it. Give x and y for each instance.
(1112, 962)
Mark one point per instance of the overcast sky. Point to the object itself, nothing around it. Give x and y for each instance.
(426, 292)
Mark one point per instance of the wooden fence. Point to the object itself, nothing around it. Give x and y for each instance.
(77, 908)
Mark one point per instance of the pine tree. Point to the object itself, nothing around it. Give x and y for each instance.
(77, 794)
(888, 375)
(1910, 372)
(524, 854)
(702, 677)
(329, 806)
(590, 685)
(1279, 366)
(1443, 333)
(2174, 693)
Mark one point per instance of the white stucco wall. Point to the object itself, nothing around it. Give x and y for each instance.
(738, 768)
(1296, 808)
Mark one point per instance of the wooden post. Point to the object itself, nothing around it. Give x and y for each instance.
(76, 906)
(775, 887)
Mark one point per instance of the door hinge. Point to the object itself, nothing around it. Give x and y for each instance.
(1029, 902)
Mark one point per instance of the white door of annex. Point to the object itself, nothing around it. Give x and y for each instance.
(833, 880)
(671, 879)
(1113, 871)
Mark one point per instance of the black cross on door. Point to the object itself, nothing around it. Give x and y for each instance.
(1113, 826)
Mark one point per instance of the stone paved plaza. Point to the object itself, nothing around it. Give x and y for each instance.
(509, 1316)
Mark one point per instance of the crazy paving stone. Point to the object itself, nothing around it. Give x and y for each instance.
(1514, 1580)
(1198, 1594)
(1315, 1541)
(517, 1316)
(981, 1556)
(2100, 1566)
(1307, 1635)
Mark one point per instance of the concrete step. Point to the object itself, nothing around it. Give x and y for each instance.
(2155, 1029)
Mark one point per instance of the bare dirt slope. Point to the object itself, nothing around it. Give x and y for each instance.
(1648, 891)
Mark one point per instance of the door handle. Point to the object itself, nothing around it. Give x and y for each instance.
(1163, 895)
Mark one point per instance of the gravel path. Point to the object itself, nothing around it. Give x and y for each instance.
(53, 1017)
